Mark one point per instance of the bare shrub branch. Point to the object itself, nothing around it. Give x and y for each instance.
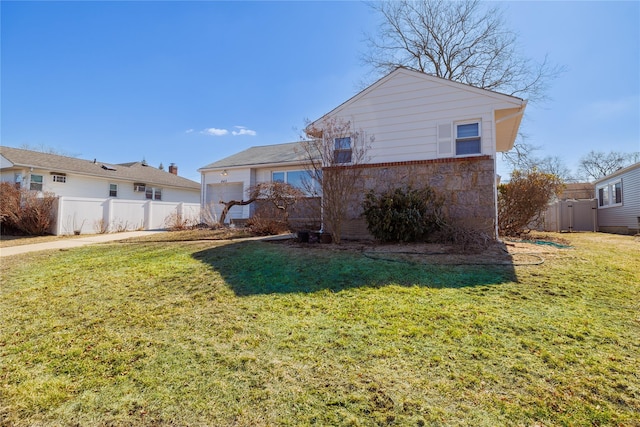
(524, 198)
(335, 168)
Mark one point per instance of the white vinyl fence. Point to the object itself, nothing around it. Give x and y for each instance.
(80, 215)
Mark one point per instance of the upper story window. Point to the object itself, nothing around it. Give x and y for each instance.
(36, 182)
(342, 150)
(610, 194)
(468, 139)
(113, 190)
(59, 178)
(153, 193)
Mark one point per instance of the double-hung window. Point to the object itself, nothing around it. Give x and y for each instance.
(342, 150)
(36, 182)
(153, 193)
(113, 190)
(468, 139)
(610, 194)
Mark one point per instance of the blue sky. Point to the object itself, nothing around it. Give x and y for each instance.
(193, 82)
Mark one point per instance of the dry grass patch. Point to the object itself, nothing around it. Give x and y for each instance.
(259, 334)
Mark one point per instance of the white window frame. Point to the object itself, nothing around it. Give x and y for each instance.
(59, 178)
(606, 194)
(338, 151)
(153, 193)
(313, 182)
(111, 190)
(35, 185)
(457, 139)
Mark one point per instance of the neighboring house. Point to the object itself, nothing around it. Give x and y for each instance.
(618, 198)
(422, 130)
(72, 179)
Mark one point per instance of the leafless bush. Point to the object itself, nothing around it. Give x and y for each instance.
(120, 226)
(524, 198)
(101, 226)
(468, 240)
(29, 212)
(176, 221)
(268, 220)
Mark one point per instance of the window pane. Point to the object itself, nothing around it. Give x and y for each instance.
(299, 179)
(469, 130)
(343, 143)
(36, 183)
(277, 177)
(157, 194)
(468, 146)
(618, 192)
(604, 196)
(113, 190)
(148, 193)
(600, 196)
(342, 156)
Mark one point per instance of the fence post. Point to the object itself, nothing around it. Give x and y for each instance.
(148, 215)
(59, 216)
(109, 214)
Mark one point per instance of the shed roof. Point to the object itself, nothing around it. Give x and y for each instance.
(133, 171)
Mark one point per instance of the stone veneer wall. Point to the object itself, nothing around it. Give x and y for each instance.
(467, 185)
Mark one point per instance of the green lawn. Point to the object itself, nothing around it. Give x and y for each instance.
(260, 334)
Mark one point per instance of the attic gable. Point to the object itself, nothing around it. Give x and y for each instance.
(403, 84)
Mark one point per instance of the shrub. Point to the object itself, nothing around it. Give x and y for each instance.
(268, 220)
(28, 212)
(403, 215)
(176, 221)
(524, 198)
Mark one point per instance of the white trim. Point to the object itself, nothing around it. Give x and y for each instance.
(455, 136)
(609, 190)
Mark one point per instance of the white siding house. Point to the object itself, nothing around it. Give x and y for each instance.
(618, 198)
(230, 178)
(420, 130)
(90, 191)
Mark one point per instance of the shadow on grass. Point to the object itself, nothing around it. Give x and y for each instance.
(254, 268)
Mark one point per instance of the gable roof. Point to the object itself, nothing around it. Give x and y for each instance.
(134, 171)
(617, 173)
(507, 119)
(428, 77)
(291, 152)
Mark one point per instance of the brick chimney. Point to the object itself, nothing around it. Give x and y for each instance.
(173, 169)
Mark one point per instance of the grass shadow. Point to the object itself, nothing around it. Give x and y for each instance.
(257, 268)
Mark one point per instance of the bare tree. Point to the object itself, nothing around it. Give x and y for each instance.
(463, 41)
(597, 164)
(333, 151)
(280, 194)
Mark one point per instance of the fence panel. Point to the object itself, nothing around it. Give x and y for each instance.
(90, 215)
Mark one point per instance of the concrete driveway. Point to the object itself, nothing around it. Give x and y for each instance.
(73, 243)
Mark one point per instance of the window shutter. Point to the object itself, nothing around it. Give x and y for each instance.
(445, 141)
